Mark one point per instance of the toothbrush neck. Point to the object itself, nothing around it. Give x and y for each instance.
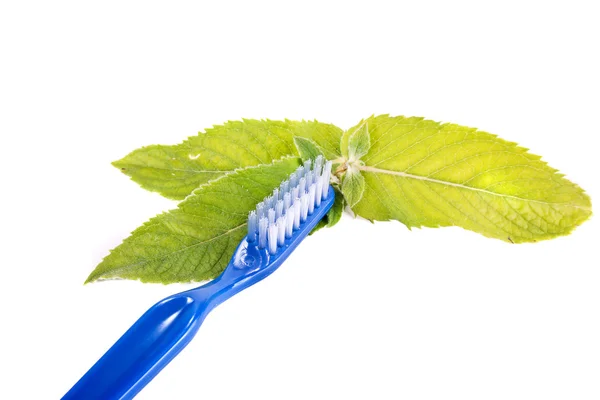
(230, 282)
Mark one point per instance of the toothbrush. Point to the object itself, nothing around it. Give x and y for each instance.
(275, 228)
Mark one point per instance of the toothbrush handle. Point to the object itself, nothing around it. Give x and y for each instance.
(143, 351)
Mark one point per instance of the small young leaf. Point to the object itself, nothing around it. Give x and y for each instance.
(195, 241)
(307, 148)
(359, 142)
(326, 136)
(334, 215)
(345, 139)
(175, 171)
(353, 186)
(423, 173)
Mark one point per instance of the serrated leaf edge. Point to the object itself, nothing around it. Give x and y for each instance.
(98, 277)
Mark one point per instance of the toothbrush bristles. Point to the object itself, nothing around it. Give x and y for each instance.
(271, 216)
(311, 199)
(319, 193)
(293, 180)
(263, 224)
(304, 209)
(297, 212)
(280, 231)
(278, 209)
(252, 226)
(284, 188)
(287, 201)
(289, 224)
(302, 186)
(309, 178)
(307, 165)
(326, 176)
(260, 210)
(273, 238)
(280, 214)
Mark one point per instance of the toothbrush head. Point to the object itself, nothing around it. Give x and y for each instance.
(275, 228)
(280, 222)
(279, 215)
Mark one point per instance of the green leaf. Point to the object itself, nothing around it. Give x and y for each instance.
(353, 185)
(175, 171)
(335, 213)
(359, 142)
(307, 148)
(326, 136)
(423, 173)
(195, 241)
(344, 145)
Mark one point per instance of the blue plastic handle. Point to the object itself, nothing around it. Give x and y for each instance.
(166, 328)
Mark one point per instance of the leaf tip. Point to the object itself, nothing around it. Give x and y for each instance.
(95, 276)
(91, 278)
(120, 165)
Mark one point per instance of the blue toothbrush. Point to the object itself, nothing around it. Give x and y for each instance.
(275, 228)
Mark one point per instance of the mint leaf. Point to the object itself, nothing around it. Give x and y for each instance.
(307, 148)
(326, 136)
(334, 215)
(195, 241)
(353, 185)
(175, 171)
(423, 173)
(359, 142)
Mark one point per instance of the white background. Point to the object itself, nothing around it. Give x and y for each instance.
(360, 311)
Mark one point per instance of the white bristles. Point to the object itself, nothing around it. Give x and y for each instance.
(307, 165)
(317, 171)
(293, 180)
(328, 165)
(297, 209)
(272, 239)
(309, 178)
(302, 187)
(284, 188)
(260, 210)
(325, 192)
(271, 216)
(268, 202)
(263, 224)
(289, 223)
(311, 198)
(278, 209)
(287, 201)
(318, 164)
(318, 168)
(280, 231)
(304, 209)
(252, 225)
(277, 217)
(326, 177)
(319, 191)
